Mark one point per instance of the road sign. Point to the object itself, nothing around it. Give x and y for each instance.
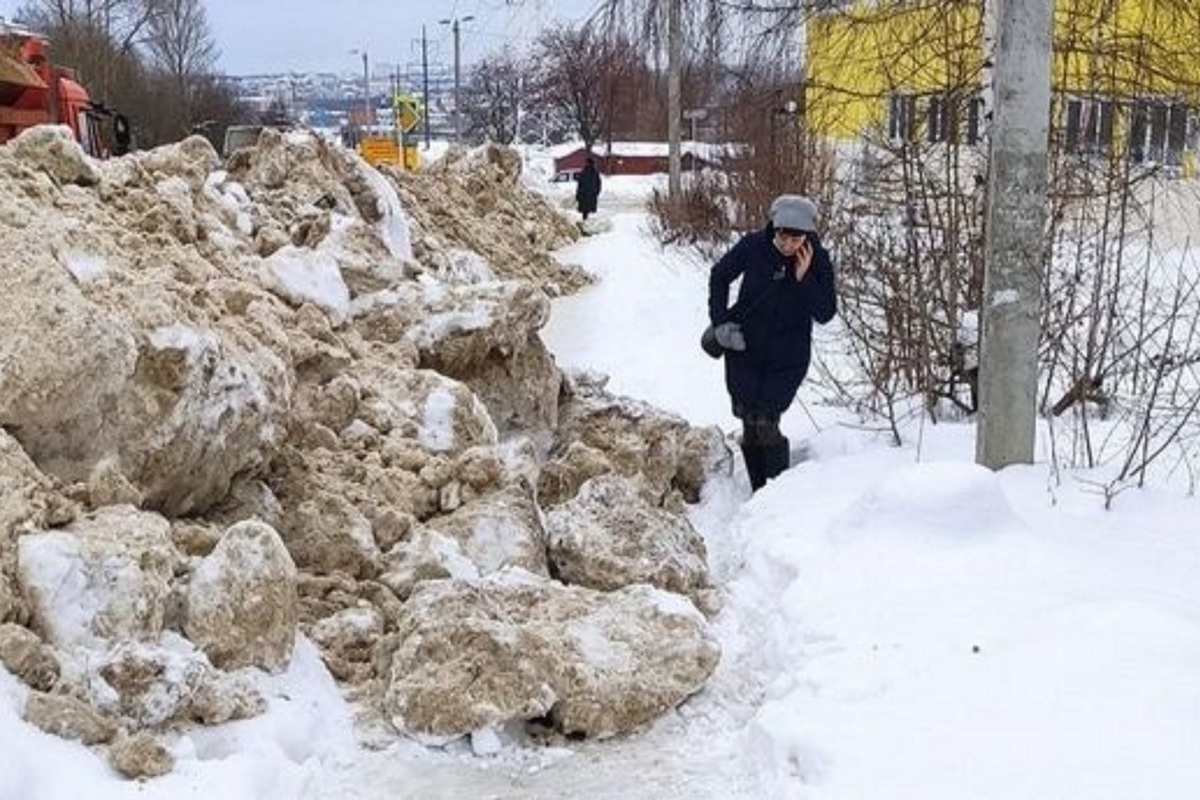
(379, 150)
(407, 117)
(407, 110)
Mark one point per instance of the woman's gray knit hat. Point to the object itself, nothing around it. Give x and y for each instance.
(795, 212)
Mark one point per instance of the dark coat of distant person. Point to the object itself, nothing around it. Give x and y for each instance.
(587, 188)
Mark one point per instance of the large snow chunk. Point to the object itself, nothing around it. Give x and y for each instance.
(445, 416)
(514, 646)
(608, 536)
(192, 159)
(68, 717)
(145, 685)
(393, 223)
(484, 335)
(27, 500)
(150, 685)
(325, 533)
(63, 364)
(23, 654)
(180, 408)
(53, 149)
(489, 533)
(140, 756)
(600, 433)
(300, 275)
(425, 555)
(102, 580)
(242, 600)
(499, 530)
(26, 495)
(347, 640)
(208, 411)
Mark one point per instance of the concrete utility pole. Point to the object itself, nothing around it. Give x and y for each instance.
(366, 95)
(454, 27)
(1013, 249)
(519, 111)
(674, 96)
(425, 80)
(366, 89)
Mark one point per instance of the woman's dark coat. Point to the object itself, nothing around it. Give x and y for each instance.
(587, 190)
(776, 314)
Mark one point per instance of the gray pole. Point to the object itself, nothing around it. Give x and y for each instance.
(517, 121)
(674, 94)
(1013, 249)
(454, 29)
(425, 80)
(457, 132)
(366, 91)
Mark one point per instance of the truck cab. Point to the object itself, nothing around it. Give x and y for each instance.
(35, 91)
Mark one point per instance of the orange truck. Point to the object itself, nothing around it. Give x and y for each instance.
(34, 91)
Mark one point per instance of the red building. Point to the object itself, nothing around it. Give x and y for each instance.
(628, 158)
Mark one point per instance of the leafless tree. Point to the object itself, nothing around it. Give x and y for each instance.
(720, 39)
(571, 77)
(93, 36)
(181, 47)
(493, 96)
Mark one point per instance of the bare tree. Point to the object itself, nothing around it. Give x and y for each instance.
(711, 32)
(181, 47)
(652, 12)
(93, 36)
(573, 62)
(493, 95)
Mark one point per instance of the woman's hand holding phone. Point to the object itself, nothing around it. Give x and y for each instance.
(804, 258)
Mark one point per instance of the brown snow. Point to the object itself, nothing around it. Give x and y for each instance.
(247, 400)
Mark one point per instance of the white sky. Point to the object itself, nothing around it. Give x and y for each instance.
(900, 623)
(317, 35)
(274, 36)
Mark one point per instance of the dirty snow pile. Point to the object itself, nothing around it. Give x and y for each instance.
(290, 407)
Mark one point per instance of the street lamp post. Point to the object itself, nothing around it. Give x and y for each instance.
(454, 27)
(366, 86)
(366, 89)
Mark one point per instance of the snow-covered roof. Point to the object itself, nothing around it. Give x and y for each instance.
(703, 150)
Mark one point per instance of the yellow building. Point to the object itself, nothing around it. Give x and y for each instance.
(1126, 74)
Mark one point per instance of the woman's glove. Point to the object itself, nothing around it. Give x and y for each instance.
(729, 335)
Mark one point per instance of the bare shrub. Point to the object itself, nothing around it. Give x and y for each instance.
(908, 238)
(698, 218)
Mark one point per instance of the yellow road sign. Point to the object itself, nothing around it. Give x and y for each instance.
(384, 150)
(379, 150)
(407, 117)
(407, 110)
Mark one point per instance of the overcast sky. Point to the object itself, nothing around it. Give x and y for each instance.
(318, 35)
(307, 35)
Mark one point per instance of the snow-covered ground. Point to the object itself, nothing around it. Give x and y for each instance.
(899, 623)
